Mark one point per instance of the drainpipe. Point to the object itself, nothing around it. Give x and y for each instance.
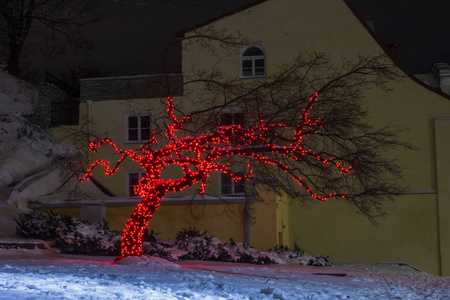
(246, 223)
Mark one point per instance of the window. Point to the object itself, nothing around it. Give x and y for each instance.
(137, 128)
(229, 186)
(253, 62)
(232, 116)
(132, 180)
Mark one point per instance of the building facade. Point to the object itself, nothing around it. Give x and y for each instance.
(417, 229)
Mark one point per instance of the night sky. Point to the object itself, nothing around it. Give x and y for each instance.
(421, 28)
(131, 39)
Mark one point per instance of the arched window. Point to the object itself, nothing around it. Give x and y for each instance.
(253, 62)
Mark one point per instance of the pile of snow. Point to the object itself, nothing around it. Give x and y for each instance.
(33, 165)
(26, 148)
(145, 261)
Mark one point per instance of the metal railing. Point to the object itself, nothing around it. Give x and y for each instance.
(65, 113)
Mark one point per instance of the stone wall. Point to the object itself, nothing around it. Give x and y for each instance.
(50, 97)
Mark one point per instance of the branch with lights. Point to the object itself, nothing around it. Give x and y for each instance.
(200, 156)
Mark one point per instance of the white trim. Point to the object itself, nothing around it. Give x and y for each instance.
(421, 191)
(129, 77)
(232, 111)
(252, 58)
(127, 131)
(133, 201)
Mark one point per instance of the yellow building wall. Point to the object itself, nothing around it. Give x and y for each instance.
(417, 229)
(442, 129)
(409, 234)
(223, 221)
(284, 221)
(414, 230)
(219, 220)
(73, 212)
(263, 230)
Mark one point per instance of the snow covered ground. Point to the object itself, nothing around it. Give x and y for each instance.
(47, 274)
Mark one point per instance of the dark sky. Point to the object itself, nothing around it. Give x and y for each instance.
(131, 39)
(421, 28)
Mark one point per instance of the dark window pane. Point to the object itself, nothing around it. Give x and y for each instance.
(239, 119)
(133, 122)
(247, 64)
(259, 72)
(247, 67)
(253, 51)
(226, 189)
(225, 179)
(133, 178)
(145, 121)
(239, 187)
(133, 135)
(247, 72)
(259, 63)
(226, 119)
(145, 134)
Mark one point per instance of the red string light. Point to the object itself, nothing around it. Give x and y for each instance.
(199, 156)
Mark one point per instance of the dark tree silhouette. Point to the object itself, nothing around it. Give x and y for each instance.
(56, 17)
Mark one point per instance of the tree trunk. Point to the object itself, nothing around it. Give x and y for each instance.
(13, 61)
(15, 49)
(136, 226)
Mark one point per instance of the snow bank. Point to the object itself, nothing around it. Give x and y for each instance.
(154, 262)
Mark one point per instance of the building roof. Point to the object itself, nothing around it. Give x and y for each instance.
(131, 87)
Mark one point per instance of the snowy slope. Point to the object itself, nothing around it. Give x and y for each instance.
(30, 159)
(25, 148)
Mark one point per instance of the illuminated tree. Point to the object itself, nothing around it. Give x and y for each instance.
(200, 156)
(324, 144)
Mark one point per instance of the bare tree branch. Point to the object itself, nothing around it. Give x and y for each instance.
(59, 17)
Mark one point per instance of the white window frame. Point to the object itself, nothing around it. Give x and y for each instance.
(128, 184)
(127, 129)
(233, 183)
(252, 59)
(233, 111)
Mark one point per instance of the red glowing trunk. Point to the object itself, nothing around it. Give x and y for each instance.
(136, 225)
